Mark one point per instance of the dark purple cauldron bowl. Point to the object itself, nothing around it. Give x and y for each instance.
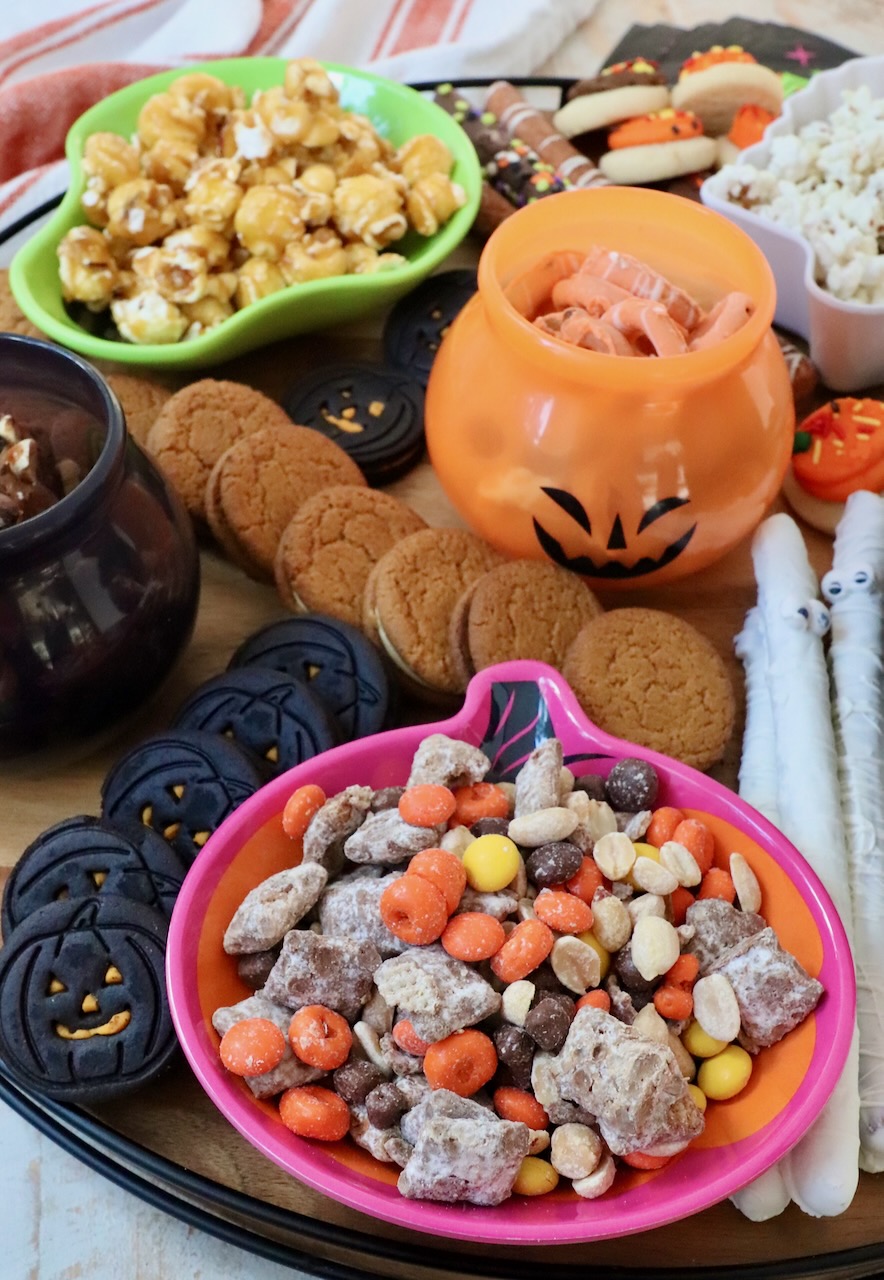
(98, 592)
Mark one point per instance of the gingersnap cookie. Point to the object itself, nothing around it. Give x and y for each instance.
(653, 679)
(520, 609)
(331, 544)
(12, 318)
(198, 423)
(141, 400)
(410, 596)
(83, 1009)
(374, 413)
(260, 483)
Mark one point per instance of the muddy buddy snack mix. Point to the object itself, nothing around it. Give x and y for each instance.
(217, 202)
(497, 986)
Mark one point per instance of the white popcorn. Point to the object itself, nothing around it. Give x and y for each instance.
(827, 182)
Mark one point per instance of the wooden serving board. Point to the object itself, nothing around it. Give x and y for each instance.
(173, 1131)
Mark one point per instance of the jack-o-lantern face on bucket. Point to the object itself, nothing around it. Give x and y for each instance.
(626, 469)
(83, 1012)
(637, 563)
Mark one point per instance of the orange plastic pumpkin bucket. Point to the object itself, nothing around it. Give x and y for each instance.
(626, 470)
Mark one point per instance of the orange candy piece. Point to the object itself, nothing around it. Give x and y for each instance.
(408, 1039)
(311, 1111)
(300, 809)
(698, 840)
(639, 1160)
(462, 1062)
(479, 800)
(444, 870)
(414, 910)
(717, 883)
(562, 911)
(526, 947)
(666, 125)
(673, 1002)
(519, 1105)
(252, 1046)
(427, 804)
(679, 901)
(663, 822)
(473, 936)
(320, 1037)
(584, 883)
(597, 999)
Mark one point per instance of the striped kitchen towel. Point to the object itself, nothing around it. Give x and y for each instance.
(53, 68)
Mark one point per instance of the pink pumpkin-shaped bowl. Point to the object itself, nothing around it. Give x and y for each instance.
(507, 711)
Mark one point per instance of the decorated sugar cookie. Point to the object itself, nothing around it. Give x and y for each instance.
(656, 147)
(717, 82)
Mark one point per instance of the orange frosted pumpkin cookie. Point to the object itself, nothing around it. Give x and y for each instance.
(838, 449)
(653, 679)
(656, 147)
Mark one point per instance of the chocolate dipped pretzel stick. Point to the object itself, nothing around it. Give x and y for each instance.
(803, 373)
(511, 167)
(536, 130)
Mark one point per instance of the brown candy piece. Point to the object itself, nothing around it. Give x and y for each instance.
(553, 864)
(355, 1080)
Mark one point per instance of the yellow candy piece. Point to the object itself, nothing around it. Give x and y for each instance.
(699, 1044)
(603, 954)
(725, 1075)
(536, 1177)
(643, 850)
(698, 1096)
(491, 862)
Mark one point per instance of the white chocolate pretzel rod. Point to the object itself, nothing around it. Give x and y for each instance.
(854, 588)
(767, 1196)
(758, 763)
(821, 1173)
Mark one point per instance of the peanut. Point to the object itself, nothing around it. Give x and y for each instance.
(614, 853)
(515, 1001)
(599, 1181)
(655, 946)
(576, 965)
(681, 862)
(611, 922)
(653, 877)
(544, 826)
(745, 882)
(715, 1007)
(645, 904)
(576, 1150)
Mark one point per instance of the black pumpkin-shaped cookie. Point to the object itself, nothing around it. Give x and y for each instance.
(182, 784)
(84, 855)
(414, 329)
(340, 665)
(83, 1008)
(374, 413)
(269, 713)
